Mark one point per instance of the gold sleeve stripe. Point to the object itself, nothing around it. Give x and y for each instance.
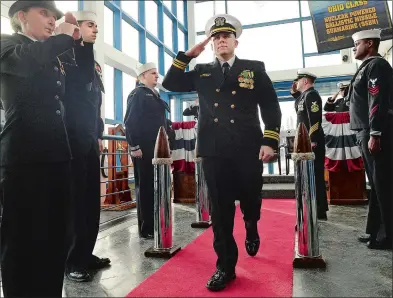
(222, 29)
(178, 66)
(314, 128)
(272, 135)
(272, 132)
(180, 62)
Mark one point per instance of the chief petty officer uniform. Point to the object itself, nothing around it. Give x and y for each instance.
(229, 139)
(144, 116)
(85, 127)
(341, 104)
(371, 113)
(35, 159)
(308, 106)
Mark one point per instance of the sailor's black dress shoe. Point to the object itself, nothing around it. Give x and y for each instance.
(364, 238)
(79, 275)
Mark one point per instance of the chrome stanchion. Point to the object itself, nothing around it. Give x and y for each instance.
(201, 198)
(163, 246)
(307, 255)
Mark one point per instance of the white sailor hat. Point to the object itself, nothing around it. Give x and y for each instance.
(81, 16)
(223, 23)
(366, 34)
(144, 67)
(342, 85)
(301, 73)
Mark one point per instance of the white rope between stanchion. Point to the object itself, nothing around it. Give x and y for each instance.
(162, 161)
(303, 156)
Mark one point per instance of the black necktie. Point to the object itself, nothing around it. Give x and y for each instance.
(225, 69)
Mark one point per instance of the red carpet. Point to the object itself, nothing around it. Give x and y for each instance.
(268, 274)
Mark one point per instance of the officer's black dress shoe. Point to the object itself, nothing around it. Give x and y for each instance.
(79, 275)
(364, 238)
(219, 280)
(252, 238)
(97, 263)
(382, 245)
(252, 247)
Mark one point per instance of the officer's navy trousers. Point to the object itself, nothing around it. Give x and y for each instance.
(230, 179)
(35, 228)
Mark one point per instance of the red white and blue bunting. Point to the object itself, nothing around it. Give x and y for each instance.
(183, 152)
(342, 152)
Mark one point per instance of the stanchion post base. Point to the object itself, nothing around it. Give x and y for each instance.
(162, 253)
(201, 224)
(308, 262)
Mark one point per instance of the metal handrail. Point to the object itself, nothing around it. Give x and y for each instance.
(115, 138)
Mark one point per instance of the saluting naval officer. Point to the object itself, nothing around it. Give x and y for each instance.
(35, 152)
(144, 116)
(230, 139)
(85, 128)
(308, 106)
(337, 103)
(371, 115)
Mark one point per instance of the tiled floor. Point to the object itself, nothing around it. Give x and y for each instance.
(353, 270)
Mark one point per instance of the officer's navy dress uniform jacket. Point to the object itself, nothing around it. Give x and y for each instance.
(339, 106)
(371, 113)
(308, 106)
(229, 139)
(35, 161)
(144, 116)
(85, 127)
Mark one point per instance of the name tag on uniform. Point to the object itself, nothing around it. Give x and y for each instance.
(149, 94)
(205, 75)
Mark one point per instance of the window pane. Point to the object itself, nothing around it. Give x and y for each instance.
(282, 35)
(203, 11)
(151, 17)
(173, 106)
(108, 28)
(252, 12)
(180, 11)
(109, 92)
(180, 38)
(128, 86)
(131, 8)
(130, 40)
(65, 6)
(207, 55)
(168, 32)
(305, 8)
(288, 120)
(6, 26)
(168, 61)
(219, 7)
(324, 60)
(168, 4)
(310, 44)
(151, 52)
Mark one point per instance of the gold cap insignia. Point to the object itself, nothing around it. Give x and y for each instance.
(220, 21)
